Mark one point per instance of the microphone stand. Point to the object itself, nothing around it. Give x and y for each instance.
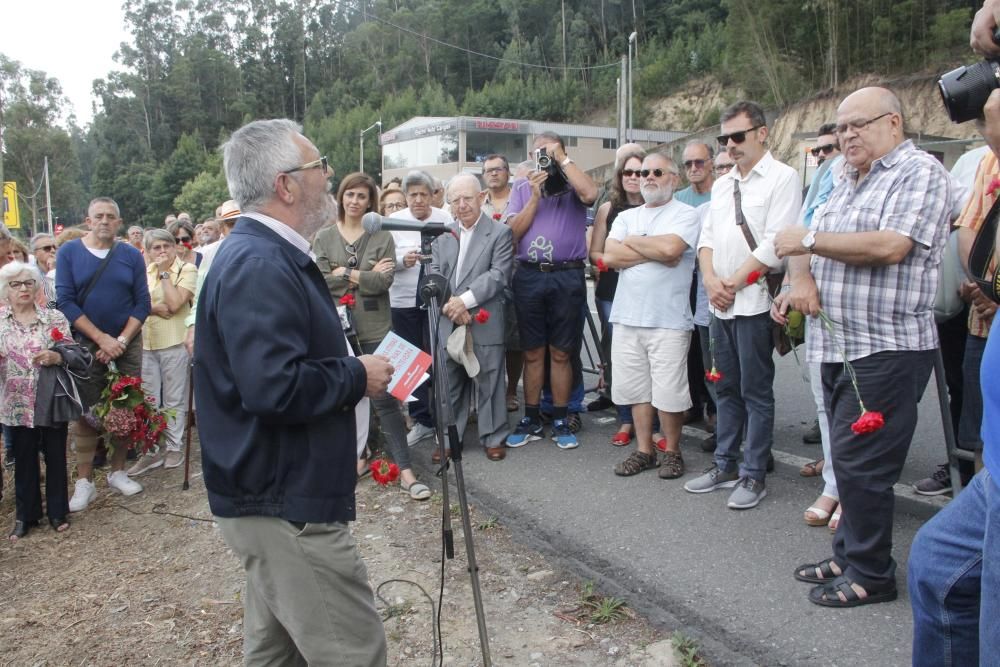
(433, 288)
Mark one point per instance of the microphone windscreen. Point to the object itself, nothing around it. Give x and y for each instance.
(372, 222)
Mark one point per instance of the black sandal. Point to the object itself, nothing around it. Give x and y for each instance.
(824, 569)
(21, 528)
(825, 595)
(635, 464)
(58, 523)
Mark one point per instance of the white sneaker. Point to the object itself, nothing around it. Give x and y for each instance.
(83, 495)
(120, 482)
(418, 433)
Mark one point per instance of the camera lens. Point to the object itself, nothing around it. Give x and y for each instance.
(965, 90)
(544, 161)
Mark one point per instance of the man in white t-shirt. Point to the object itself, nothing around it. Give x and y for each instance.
(653, 248)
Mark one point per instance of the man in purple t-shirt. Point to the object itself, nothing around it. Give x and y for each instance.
(549, 286)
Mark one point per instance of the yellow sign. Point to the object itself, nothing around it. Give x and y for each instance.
(10, 216)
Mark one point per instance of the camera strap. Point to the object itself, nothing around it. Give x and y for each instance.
(981, 255)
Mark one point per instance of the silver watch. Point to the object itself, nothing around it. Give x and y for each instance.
(123, 340)
(809, 240)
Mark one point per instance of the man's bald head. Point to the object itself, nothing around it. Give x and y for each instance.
(465, 198)
(869, 126)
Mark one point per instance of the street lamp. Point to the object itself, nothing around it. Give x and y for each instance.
(361, 160)
(631, 41)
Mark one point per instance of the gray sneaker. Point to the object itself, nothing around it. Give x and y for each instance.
(748, 493)
(713, 479)
(936, 484)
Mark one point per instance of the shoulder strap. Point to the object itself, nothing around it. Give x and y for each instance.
(82, 299)
(982, 252)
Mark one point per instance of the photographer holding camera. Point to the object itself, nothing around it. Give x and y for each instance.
(548, 216)
(953, 584)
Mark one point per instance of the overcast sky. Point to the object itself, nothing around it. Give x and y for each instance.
(70, 40)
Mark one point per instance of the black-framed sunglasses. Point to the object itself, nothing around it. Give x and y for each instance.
(352, 261)
(655, 172)
(629, 173)
(48, 248)
(321, 163)
(737, 137)
(183, 239)
(825, 149)
(695, 164)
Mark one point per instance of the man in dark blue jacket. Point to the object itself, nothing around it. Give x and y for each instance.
(276, 394)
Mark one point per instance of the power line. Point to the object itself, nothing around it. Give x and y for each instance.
(487, 55)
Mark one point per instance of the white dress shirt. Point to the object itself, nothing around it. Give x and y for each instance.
(771, 197)
(403, 292)
(282, 230)
(464, 239)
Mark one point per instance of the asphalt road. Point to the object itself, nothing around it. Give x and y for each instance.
(686, 561)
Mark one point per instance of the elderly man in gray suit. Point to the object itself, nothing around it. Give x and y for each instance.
(476, 258)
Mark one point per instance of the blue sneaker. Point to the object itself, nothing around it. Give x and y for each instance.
(525, 432)
(563, 435)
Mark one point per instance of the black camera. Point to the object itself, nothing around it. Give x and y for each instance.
(966, 89)
(556, 183)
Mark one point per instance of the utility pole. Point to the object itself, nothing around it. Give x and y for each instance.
(631, 41)
(565, 71)
(48, 195)
(361, 143)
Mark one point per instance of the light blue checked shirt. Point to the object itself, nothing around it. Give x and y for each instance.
(882, 308)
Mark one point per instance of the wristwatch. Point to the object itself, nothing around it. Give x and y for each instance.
(123, 340)
(809, 240)
(164, 275)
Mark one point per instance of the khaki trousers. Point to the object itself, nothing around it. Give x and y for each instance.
(308, 601)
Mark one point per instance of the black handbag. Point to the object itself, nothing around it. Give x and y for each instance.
(983, 249)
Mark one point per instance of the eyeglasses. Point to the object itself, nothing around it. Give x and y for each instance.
(695, 164)
(629, 173)
(462, 200)
(737, 137)
(322, 163)
(825, 150)
(395, 206)
(858, 125)
(723, 168)
(494, 170)
(183, 239)
(658, 173)
(48, 248)
(18, 284)
(352, 261)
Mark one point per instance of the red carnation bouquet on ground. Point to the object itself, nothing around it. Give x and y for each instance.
(127, 414)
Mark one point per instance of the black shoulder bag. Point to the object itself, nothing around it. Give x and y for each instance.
(981, 254)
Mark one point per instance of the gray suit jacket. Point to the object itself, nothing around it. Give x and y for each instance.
(485, 270)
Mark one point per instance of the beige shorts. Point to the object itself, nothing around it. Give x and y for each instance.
(650, 366)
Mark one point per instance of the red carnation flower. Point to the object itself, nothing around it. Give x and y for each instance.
(713, 375)
(994, 184)
(497, 216)
(483, 316)
(348, 300)
(868, 422)
(601, 266)
(384, 472)
(56, 335)
(187, 245)
(753, 277)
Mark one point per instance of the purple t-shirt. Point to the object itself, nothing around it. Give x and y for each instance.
(559, 230)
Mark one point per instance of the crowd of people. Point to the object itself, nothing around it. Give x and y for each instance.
(694, 286)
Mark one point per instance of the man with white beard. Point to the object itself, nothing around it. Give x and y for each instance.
(653, 248)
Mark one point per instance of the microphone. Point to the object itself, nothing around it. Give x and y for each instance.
(373, 222)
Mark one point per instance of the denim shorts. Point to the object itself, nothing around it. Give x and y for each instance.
(550, 307)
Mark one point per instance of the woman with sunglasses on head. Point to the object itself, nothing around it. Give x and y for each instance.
(626, 193)
(363, 265)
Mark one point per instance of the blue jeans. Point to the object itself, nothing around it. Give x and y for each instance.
(745, 394)
(954, 590)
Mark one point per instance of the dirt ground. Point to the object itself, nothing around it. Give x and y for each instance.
(148, 580)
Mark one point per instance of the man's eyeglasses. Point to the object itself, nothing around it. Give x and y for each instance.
(629, 173)
(858, 125)
(18, 284)
(826, 149)
(723, 168)
(462, 200)
(694, 164)
(494, 170)
(47, 248)
(322, 163)
(658, 173)
(737, 137)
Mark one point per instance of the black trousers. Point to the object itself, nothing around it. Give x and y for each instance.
(868, 465)
(411, 325)
(51, 442)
